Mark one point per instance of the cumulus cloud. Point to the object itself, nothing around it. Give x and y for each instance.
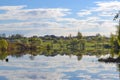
(9, 8)
(107, 9)
(84, 13)
(19, 13)
(107, 6)
(103, 8)
(42, 21)
(100, 17)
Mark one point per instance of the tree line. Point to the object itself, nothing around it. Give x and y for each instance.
(48, 42)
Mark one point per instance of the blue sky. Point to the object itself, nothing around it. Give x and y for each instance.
(58, 17)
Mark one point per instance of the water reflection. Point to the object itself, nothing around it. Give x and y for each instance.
(3, 55)
(113, 55)
(52, 53)
(118, 68)
(56, 65)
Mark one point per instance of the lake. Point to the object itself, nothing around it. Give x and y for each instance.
(59, 67)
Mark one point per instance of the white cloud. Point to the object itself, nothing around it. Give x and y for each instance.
(102, 8)
(107, 9)
(107, 6)
(41, 21)
(84, 13)
(100, 18)
(18, 13)
(89, 26)
(9, 8)
(93, 19)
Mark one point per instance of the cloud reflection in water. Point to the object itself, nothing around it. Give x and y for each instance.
(57, 68)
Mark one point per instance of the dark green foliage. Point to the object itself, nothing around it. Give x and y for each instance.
(118, 34)
(3, 44)
(3, 55)
(115, 40)
(79, 35)
(74, 43)
(51, 42)
(48, 46)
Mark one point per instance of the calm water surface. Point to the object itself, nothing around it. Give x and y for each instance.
(57, 68)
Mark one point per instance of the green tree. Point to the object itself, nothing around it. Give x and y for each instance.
(61, 43)
(112, 39)
(103, 42)
(74, 43)
(118, 34)
(81, 41)
(82, 44)
(49, 46)
(117, 41)
(79, 35)
(70, 36)
(98, 39)
(35, 42)
(3, 44)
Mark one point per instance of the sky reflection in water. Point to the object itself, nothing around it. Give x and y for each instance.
(57, 68)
